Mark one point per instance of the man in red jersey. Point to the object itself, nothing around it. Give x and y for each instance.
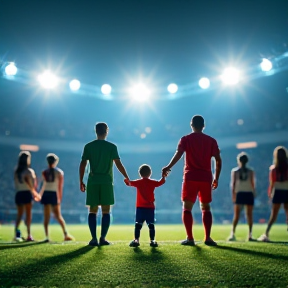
(198, 180)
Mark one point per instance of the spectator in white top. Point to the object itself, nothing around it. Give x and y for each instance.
(51, 195)
(243, 193)
(278, 188)
(25, 186)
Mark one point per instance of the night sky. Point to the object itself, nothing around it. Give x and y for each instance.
(108, 41)
(120, 42)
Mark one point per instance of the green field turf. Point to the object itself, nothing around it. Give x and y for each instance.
(74, 264)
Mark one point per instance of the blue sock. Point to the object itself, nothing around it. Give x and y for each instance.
(92, 224)
(105, 225)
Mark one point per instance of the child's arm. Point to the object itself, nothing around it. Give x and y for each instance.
(160, 182)
(130, 182)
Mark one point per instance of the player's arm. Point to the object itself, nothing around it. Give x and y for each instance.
(30, 183)
(43, 185)
(271, 183)
(60, 187)
(82, 167)
(218, 167)
(232, 185)
(121, 168)
(176, 157)
(253, 183)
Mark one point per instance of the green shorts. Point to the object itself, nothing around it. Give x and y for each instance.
(99, 194)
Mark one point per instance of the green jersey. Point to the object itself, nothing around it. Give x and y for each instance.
(100, 154)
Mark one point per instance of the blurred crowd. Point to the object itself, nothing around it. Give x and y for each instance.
(168, 204)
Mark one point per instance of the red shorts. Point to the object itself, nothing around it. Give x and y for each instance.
(190, 190)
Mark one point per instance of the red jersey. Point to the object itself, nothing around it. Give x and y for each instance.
(199, 148)
(145, 191)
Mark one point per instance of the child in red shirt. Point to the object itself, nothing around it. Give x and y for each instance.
(145, 208)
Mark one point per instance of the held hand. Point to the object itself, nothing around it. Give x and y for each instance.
(214, 184)
(165, 171)
(127, 182)
(36, 197)
(82, 187)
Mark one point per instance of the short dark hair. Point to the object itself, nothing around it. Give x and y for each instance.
(145, 170)
(197, 122)
(101, 128)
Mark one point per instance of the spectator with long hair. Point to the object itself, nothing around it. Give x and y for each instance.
(278, 188)
(51, 195)
(25, 185)
(243, 193)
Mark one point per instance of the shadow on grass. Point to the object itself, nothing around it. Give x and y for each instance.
(19, 245)
(252, 252)
(8, 276)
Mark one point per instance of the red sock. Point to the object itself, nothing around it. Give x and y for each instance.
(207, 222)
(188, 222)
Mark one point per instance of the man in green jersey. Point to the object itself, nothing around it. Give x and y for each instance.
(101, 154)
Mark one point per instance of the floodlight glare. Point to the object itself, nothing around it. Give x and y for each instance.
(204, 83)
(74, 85)
(230, 76)
(266, 65)
(140, 92)
(11, 69)
(48, 80)
(106, 89)
(172, 88)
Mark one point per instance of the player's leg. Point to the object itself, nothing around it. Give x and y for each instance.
(139, 220)
(150, 219)
(237, 211)
(105, 224)
(47, 212)
(107, 199)
(20, 212)
(93, 200)
(249, 216)
(205, 198)
(188, 196)
(92, 223)
(187, 219)
(286, 213)
(28, 220)
(58, 215)
(273, 217)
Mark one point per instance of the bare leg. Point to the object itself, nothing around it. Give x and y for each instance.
(28, 210)
(47, 212)
(273, 217)
(286, 212)
(20, 211)
(249, 216)
(57, 212)
(237, 211)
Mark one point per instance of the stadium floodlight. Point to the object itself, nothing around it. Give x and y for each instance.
(11, 69)
(204, 83)
(172, 88)
(48, 80)
(266, 65)
(106, 89)
(230, 76)
(74, 85)
(140, 92)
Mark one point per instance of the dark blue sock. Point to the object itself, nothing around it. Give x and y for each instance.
(92, 224)
(151, 231)
(105, 223)
(138, 227)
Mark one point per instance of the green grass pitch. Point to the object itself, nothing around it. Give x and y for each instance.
(74, 264)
